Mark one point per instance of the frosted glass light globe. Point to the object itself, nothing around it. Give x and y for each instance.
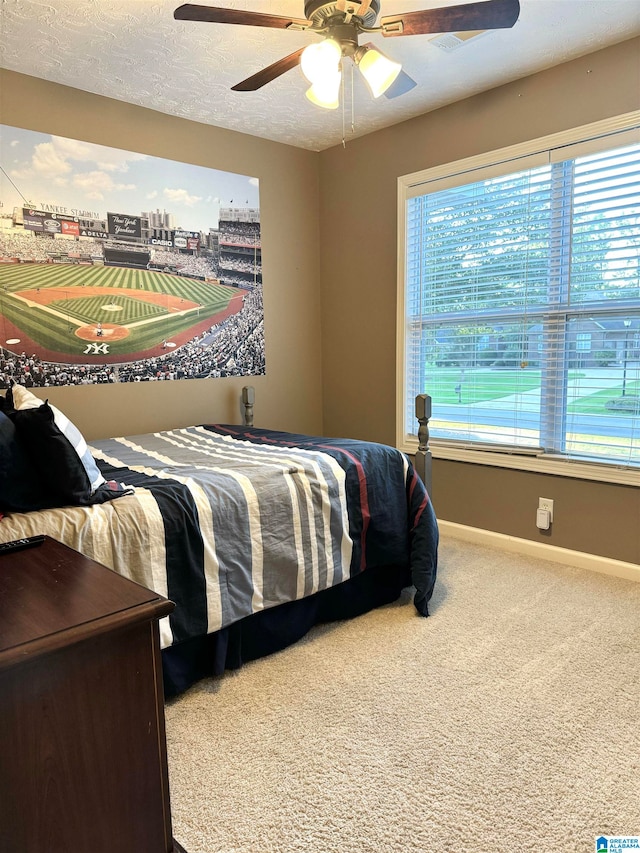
(320, 59)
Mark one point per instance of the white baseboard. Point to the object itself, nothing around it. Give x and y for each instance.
(579, 559)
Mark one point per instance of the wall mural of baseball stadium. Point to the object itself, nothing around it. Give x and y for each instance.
(121, 267)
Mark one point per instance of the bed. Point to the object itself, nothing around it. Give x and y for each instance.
(255, 534)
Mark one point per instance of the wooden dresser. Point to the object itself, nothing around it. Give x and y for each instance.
(83, 764)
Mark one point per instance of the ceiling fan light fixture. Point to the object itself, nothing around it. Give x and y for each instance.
(340, 23)
(326, 91)
(377, 69)
(320, 60)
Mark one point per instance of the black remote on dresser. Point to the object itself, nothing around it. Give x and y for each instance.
(20, 544)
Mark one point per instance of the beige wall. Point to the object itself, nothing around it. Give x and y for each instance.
(288, 397)
(358, 270)
(331, 361)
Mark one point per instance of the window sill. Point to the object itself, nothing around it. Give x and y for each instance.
(557, 467)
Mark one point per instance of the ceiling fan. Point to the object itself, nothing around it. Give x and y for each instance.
(341, 22)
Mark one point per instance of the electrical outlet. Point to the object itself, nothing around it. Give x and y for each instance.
(543, 519)
(546, 503)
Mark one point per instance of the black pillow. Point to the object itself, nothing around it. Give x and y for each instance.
(56, 459)
(61, 470)
(21, 488)
(6, 402)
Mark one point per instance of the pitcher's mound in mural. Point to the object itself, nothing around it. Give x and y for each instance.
(108, 332)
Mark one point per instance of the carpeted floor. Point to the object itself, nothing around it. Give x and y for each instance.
(507, 721)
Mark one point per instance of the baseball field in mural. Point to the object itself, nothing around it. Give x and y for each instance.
(89, 293)
(116, 313)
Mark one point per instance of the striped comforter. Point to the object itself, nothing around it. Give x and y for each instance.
(226, 522)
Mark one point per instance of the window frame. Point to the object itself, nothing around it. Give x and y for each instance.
(581, 138)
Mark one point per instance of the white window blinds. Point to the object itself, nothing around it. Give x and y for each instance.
(522, 304)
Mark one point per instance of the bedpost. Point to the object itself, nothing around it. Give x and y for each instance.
(248, 399)
(423, 453)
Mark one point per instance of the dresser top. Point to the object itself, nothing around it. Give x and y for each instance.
(48, 591)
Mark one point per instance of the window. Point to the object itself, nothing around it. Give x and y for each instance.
(583, 342)
(520, 303)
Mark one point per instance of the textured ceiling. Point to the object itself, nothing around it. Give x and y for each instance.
(134, 51)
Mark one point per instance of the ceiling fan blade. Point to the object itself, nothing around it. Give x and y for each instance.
(215, 15)
(256, 81)
(400, 86)
(485, 15)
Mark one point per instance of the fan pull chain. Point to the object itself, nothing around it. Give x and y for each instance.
(353, 108)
